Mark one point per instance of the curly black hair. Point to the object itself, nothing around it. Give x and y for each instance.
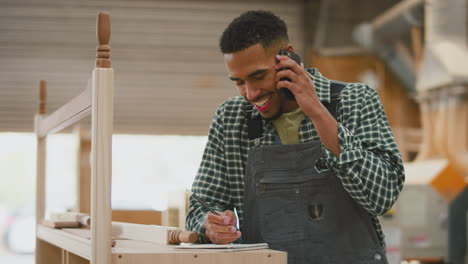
(250, 28)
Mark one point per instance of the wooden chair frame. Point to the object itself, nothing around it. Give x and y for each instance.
(97, 100)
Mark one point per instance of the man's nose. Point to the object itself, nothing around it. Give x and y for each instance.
(252, 93)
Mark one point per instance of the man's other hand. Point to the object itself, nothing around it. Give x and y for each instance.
(221, 229)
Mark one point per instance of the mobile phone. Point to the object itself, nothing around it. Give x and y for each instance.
(285, 91)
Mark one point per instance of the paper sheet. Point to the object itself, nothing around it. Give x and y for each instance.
(226, 247)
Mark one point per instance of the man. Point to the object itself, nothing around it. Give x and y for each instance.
(308, 174)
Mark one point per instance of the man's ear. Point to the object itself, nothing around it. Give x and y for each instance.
(290, 47)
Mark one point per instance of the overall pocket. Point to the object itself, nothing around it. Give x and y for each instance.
(318, 201)
(280, 203)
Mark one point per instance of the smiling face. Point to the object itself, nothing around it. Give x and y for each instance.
(253, 70)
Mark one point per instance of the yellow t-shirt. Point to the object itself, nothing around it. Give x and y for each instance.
(287, 126)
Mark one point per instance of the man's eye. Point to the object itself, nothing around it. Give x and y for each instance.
(259, 77)
(240, 83)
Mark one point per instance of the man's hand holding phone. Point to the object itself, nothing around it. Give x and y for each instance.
(300, 84)
(221, 229)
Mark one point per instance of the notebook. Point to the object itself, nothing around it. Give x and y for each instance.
(225, 247)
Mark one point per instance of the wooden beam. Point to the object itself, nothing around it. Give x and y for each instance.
(83, 181)
(83, 233)
(417, 47)
(404, 52)
(393, 12)
(41, 155)
(40, 176)
(136, 253)
(101, 166)
(152, 233)
(74, 259)
(42, 97)
(146, 217)
(101, 145)
(60, 224)
(78, 245)
(47, 253)
(70, 113)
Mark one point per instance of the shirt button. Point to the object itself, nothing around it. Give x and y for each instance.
(377, 257)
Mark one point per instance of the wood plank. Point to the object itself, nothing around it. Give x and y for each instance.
(101, 166)
(60, 224)
(393, 12)
(153, 233)
(148, 233)
(417, 47)
(40, 176)
(70, 113)
(74, 259)
(127, 251)
(225, 258)
(83, 233)
(83, 186)
(78, 245)
(132, 252)
(47, 253)
(146, 217)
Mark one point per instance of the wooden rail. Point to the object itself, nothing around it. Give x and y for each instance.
(67, 115)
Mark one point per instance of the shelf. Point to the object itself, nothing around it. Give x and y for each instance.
(71, 242)
(133, 251)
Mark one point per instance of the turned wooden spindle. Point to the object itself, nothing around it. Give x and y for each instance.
(177, 236)
(42, 97)
(103, 36)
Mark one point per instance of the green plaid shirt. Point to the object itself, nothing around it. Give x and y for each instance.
(369, 165)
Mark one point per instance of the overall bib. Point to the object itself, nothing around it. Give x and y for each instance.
(294, 208)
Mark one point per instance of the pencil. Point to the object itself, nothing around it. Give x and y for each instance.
(202, 203)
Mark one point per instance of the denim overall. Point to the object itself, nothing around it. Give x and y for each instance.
(294, 208)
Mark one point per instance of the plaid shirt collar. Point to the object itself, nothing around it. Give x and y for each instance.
(321, 84)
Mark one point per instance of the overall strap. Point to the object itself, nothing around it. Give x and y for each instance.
(335, 96)
(255, 125)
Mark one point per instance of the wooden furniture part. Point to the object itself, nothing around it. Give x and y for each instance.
(109, 242)
(152, 233)
(83, 175)
(97, 99)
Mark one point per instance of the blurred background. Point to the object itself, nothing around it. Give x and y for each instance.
(170, 77)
